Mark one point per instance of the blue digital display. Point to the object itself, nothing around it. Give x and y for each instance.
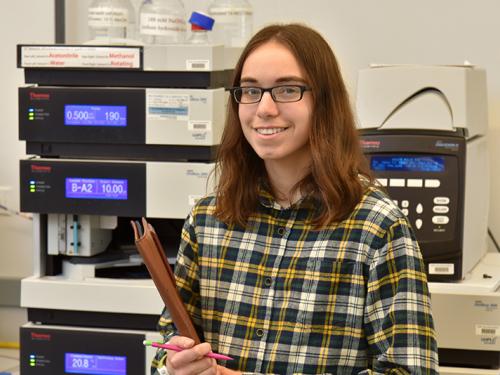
(405, 163)
(95, 115)
(96, 188)
(79, 363)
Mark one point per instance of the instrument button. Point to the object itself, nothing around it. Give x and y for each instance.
(414, 182)
(440, 219)
(441, 200)
(418, 223)
(432, 183)
(441, 209)
(397, 182)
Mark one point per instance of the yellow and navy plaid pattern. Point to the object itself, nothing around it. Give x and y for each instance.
(281, 297)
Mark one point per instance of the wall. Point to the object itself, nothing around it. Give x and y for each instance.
(386, 31)
(24, 21)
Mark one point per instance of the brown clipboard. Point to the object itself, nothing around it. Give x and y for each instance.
(156, 261)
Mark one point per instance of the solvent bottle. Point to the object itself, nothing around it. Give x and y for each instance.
(201, 26)
(233, 22)
(162, 22)
(111, 20)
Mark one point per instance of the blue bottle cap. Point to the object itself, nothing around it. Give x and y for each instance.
(201, 20)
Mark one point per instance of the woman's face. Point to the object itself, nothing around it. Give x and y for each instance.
(278, 132)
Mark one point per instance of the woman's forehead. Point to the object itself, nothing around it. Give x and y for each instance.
(271, 60)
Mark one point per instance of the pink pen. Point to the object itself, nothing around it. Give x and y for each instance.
(179, 349)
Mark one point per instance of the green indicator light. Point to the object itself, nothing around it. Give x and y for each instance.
(32, 364)
(32, 191)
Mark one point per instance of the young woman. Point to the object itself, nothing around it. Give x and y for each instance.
(297, 263)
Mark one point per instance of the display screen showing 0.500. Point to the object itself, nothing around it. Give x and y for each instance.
(95, 115)
(96, 188)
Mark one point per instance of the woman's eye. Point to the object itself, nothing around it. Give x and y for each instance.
(289, 90)
(251, 91)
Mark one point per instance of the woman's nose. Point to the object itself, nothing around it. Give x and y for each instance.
(267, 106)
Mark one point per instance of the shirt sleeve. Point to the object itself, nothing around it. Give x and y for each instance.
(398, 320)
(186, 278)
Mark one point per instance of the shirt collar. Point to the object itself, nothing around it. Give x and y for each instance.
(266, 199)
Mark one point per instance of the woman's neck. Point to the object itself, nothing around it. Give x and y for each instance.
(284, 176)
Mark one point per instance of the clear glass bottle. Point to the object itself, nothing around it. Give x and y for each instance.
(162, 22)
(233, 22)
(111, 20)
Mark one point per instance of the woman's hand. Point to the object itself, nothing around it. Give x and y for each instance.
(225, 371)
(192, 360)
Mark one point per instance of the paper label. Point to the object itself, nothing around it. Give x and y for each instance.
(197, 64)
(441, 268)
(80, 57)
(161, 24)
(487, 330)
(108, 16)
(200, 125)
(167, 106)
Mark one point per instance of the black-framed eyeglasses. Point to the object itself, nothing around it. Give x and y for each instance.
(280, 94)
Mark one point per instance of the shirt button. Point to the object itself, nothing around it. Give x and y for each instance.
(268, 281)
(281, 231)
(259, 332)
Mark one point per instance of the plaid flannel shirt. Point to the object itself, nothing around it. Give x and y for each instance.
(282, 297)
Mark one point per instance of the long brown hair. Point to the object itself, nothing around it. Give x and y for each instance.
(337, 161)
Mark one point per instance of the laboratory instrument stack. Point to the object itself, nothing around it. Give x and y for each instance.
(116, 133)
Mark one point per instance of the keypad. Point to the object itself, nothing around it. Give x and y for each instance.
(439, 204)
